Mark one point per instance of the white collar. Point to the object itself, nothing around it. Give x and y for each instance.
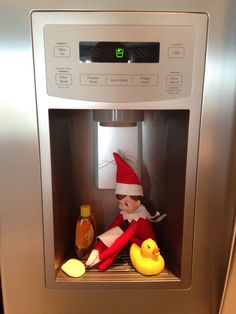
(141, 212)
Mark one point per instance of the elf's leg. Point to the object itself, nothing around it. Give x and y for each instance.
(107, 262)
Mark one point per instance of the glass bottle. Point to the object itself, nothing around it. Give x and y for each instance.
(85, 236)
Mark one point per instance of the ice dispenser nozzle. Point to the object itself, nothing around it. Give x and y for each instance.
(118, 118)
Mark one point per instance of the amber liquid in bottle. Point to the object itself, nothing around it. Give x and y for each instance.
(85, 236)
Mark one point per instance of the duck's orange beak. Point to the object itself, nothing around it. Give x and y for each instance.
(156, 251)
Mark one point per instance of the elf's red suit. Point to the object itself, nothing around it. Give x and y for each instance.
(138, 230)
(132, 224)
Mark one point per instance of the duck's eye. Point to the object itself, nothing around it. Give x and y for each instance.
(148, 246)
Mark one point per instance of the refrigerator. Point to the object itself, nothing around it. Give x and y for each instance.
(62, 96)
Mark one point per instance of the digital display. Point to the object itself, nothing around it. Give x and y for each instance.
(119, 52)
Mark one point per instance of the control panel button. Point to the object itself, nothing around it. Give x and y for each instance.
(119, 80)
(63, 79)
(174, 80)
(92, 79)
(145, 80)
(176, 52)
(62, 52)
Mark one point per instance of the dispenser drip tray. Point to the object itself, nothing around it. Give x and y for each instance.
(120, 270)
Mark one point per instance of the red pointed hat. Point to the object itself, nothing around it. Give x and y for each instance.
(127, 182)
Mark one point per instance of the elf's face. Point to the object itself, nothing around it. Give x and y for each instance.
(128, 204)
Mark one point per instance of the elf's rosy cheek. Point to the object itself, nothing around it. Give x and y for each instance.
(120, 206)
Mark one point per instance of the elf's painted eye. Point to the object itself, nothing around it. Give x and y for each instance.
(126, 204)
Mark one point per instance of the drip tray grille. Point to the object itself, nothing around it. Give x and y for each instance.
(120, 270)
(120, 264)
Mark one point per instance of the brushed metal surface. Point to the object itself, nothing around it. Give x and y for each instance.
(22, 260)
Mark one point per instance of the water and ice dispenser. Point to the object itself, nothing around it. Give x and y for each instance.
(118, 81)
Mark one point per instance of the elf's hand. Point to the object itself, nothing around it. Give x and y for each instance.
(93, 258)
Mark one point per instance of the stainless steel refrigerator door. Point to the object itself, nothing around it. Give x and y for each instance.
(22, 254)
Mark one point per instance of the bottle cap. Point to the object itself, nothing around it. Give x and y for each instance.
(85, 210)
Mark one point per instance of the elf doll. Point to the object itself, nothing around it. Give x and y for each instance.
(131, 225)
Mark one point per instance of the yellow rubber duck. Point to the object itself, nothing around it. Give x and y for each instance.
(147, 259)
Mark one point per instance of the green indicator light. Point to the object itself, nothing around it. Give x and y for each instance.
(120, 53)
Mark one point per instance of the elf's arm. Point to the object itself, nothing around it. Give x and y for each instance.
(121, 241)
(100, 246)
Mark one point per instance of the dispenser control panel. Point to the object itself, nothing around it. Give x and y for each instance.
(124, 63)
